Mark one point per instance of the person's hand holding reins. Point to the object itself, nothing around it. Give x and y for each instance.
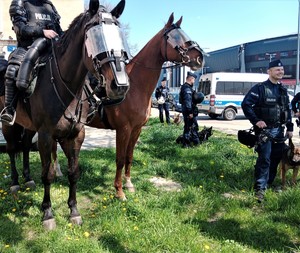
(261, 124)
(50, 34)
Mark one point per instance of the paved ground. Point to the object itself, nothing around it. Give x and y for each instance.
(96, 138)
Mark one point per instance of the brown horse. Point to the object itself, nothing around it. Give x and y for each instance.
(128, 118)
(54, 109)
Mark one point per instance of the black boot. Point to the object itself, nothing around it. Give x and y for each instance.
(30, 58)
(8, 115)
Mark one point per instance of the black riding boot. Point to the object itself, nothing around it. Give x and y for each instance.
(28, 63)
(9, 113)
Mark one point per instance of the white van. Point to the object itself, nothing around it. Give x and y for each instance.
(224, 92)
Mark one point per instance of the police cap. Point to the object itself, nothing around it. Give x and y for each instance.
(191, 74)
(276, 63)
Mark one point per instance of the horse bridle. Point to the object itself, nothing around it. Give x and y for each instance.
(185, 58)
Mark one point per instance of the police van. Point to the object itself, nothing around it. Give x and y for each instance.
(224, 92)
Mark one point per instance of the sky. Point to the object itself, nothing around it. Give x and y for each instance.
(214, 24)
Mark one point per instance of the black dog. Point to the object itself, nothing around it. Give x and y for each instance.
(204, 134)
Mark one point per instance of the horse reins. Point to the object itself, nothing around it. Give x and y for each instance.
(73, 118)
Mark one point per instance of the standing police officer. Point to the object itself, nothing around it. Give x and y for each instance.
(162, 96)
(189, 111)
(34, 21)
(266, 106)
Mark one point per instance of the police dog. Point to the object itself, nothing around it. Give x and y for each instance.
(290, 160)
(177, 119)
(204, 134)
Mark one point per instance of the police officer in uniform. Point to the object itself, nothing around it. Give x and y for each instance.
(162, 92)
(189, 111)
(295, 104)
(266, 106)
(34, 22)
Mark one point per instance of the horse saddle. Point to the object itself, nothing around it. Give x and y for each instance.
(41, 62)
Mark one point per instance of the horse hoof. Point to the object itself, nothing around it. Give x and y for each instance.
(49, 224)
(30, 184)
(121, 197)
(128, 185)
(14, 189)
(130, 188)
(76, 220)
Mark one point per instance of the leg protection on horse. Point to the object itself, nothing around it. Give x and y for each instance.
(28, 63)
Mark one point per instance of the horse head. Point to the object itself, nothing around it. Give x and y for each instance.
(107, 50)
(178, 47)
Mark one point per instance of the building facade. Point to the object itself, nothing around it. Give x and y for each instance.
(251, 57)
(255, 56)
(67, 9)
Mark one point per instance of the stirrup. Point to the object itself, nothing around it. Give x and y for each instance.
(7, 118)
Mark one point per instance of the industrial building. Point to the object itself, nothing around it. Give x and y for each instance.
(251, 57)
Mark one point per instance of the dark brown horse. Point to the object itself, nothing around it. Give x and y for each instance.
(54, 110)
(128, 118)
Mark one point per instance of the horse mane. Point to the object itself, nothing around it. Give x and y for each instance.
(73, 29)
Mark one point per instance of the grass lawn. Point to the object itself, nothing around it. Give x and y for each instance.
(215, 211)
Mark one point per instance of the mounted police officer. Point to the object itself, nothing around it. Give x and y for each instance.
(189, 111)
(162, 96)
(34, 21)
(266, 106)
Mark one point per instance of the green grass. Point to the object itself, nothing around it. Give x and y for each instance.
(214, 212)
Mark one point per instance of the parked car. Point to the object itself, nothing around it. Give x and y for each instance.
(154, 102)
(174, 101)
(34, 146)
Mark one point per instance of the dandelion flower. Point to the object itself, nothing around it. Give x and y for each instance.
(6, 246)
(124, 209)
(206, 247)
(135, 228)
(104, 198)
(104, 207)
(86, 234)
(14, 209)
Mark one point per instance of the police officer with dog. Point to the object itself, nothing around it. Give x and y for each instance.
(189, 99)
(35, 22)
(162, 96)
(266, 106)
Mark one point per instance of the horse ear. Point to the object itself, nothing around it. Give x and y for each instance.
(118, 10)
(93, 7)
(178, 23)
(171, 20)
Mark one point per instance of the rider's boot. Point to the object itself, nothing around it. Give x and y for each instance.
(28, 63)
(8, 115)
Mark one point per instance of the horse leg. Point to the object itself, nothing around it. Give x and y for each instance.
(122, 139)
(128, 162)
(71, 148)
(48, 174)
(15, 186)
(55, 160)
(12, 136)
(26, 141)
